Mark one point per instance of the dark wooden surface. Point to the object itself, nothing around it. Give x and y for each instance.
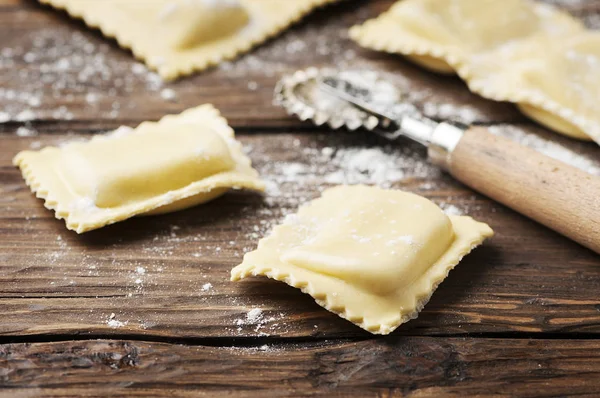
(129, 310)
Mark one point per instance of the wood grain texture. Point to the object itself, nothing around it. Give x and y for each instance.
(414, 366)
(241, 89)
(518, 317)
(52, 281)
(87, 79)
(559, 196)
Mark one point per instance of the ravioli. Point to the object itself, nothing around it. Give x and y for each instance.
(554, 82)
(370, 255)
(179, 37)
(178, 162)
(513, 50)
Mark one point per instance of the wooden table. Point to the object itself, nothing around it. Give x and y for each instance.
(146, 308)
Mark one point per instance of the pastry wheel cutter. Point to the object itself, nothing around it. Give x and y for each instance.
(557, 195)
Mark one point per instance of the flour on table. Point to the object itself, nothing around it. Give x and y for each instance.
(259, 322)
(383, 166)
(366, 166)
(114, 323)
(254, 315)
(25, 132)
(206, 287)
(65, 68)
(451, 210)
(168, 94)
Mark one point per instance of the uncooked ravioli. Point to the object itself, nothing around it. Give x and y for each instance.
(528, 53)
(370, 255)
(178, 162)
(179, 37)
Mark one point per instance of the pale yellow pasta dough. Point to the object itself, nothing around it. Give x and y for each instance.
(178, 37)
(181, 161)
(510, 50)
(442, 34)
(552, 81)
(372, 256)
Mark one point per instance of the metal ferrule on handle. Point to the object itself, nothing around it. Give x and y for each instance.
(440, 138)
(444, 139)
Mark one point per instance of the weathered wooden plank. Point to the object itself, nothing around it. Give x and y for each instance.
(168, 275)
(398, 366)
(56, 69)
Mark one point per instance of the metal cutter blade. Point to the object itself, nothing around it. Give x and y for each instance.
(363, 99)
(302, 94)
(352, 99)
(401, 119)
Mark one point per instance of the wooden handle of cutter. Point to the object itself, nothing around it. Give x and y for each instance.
(548, 191)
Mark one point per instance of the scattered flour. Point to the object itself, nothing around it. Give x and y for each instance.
(25, 132)
(168, 94)
(256, 319)
(206, 287)
(114, 323)
(254, 316)
(365, 166)
(294, 182)
(451, 210)
(64, 68)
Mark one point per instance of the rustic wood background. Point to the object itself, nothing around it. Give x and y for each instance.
(145, 307)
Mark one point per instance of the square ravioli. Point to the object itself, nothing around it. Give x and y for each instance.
(159, 167)
(442, 34)
(370, 255)
(518, 51)
(554, 82)
(179, 37)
